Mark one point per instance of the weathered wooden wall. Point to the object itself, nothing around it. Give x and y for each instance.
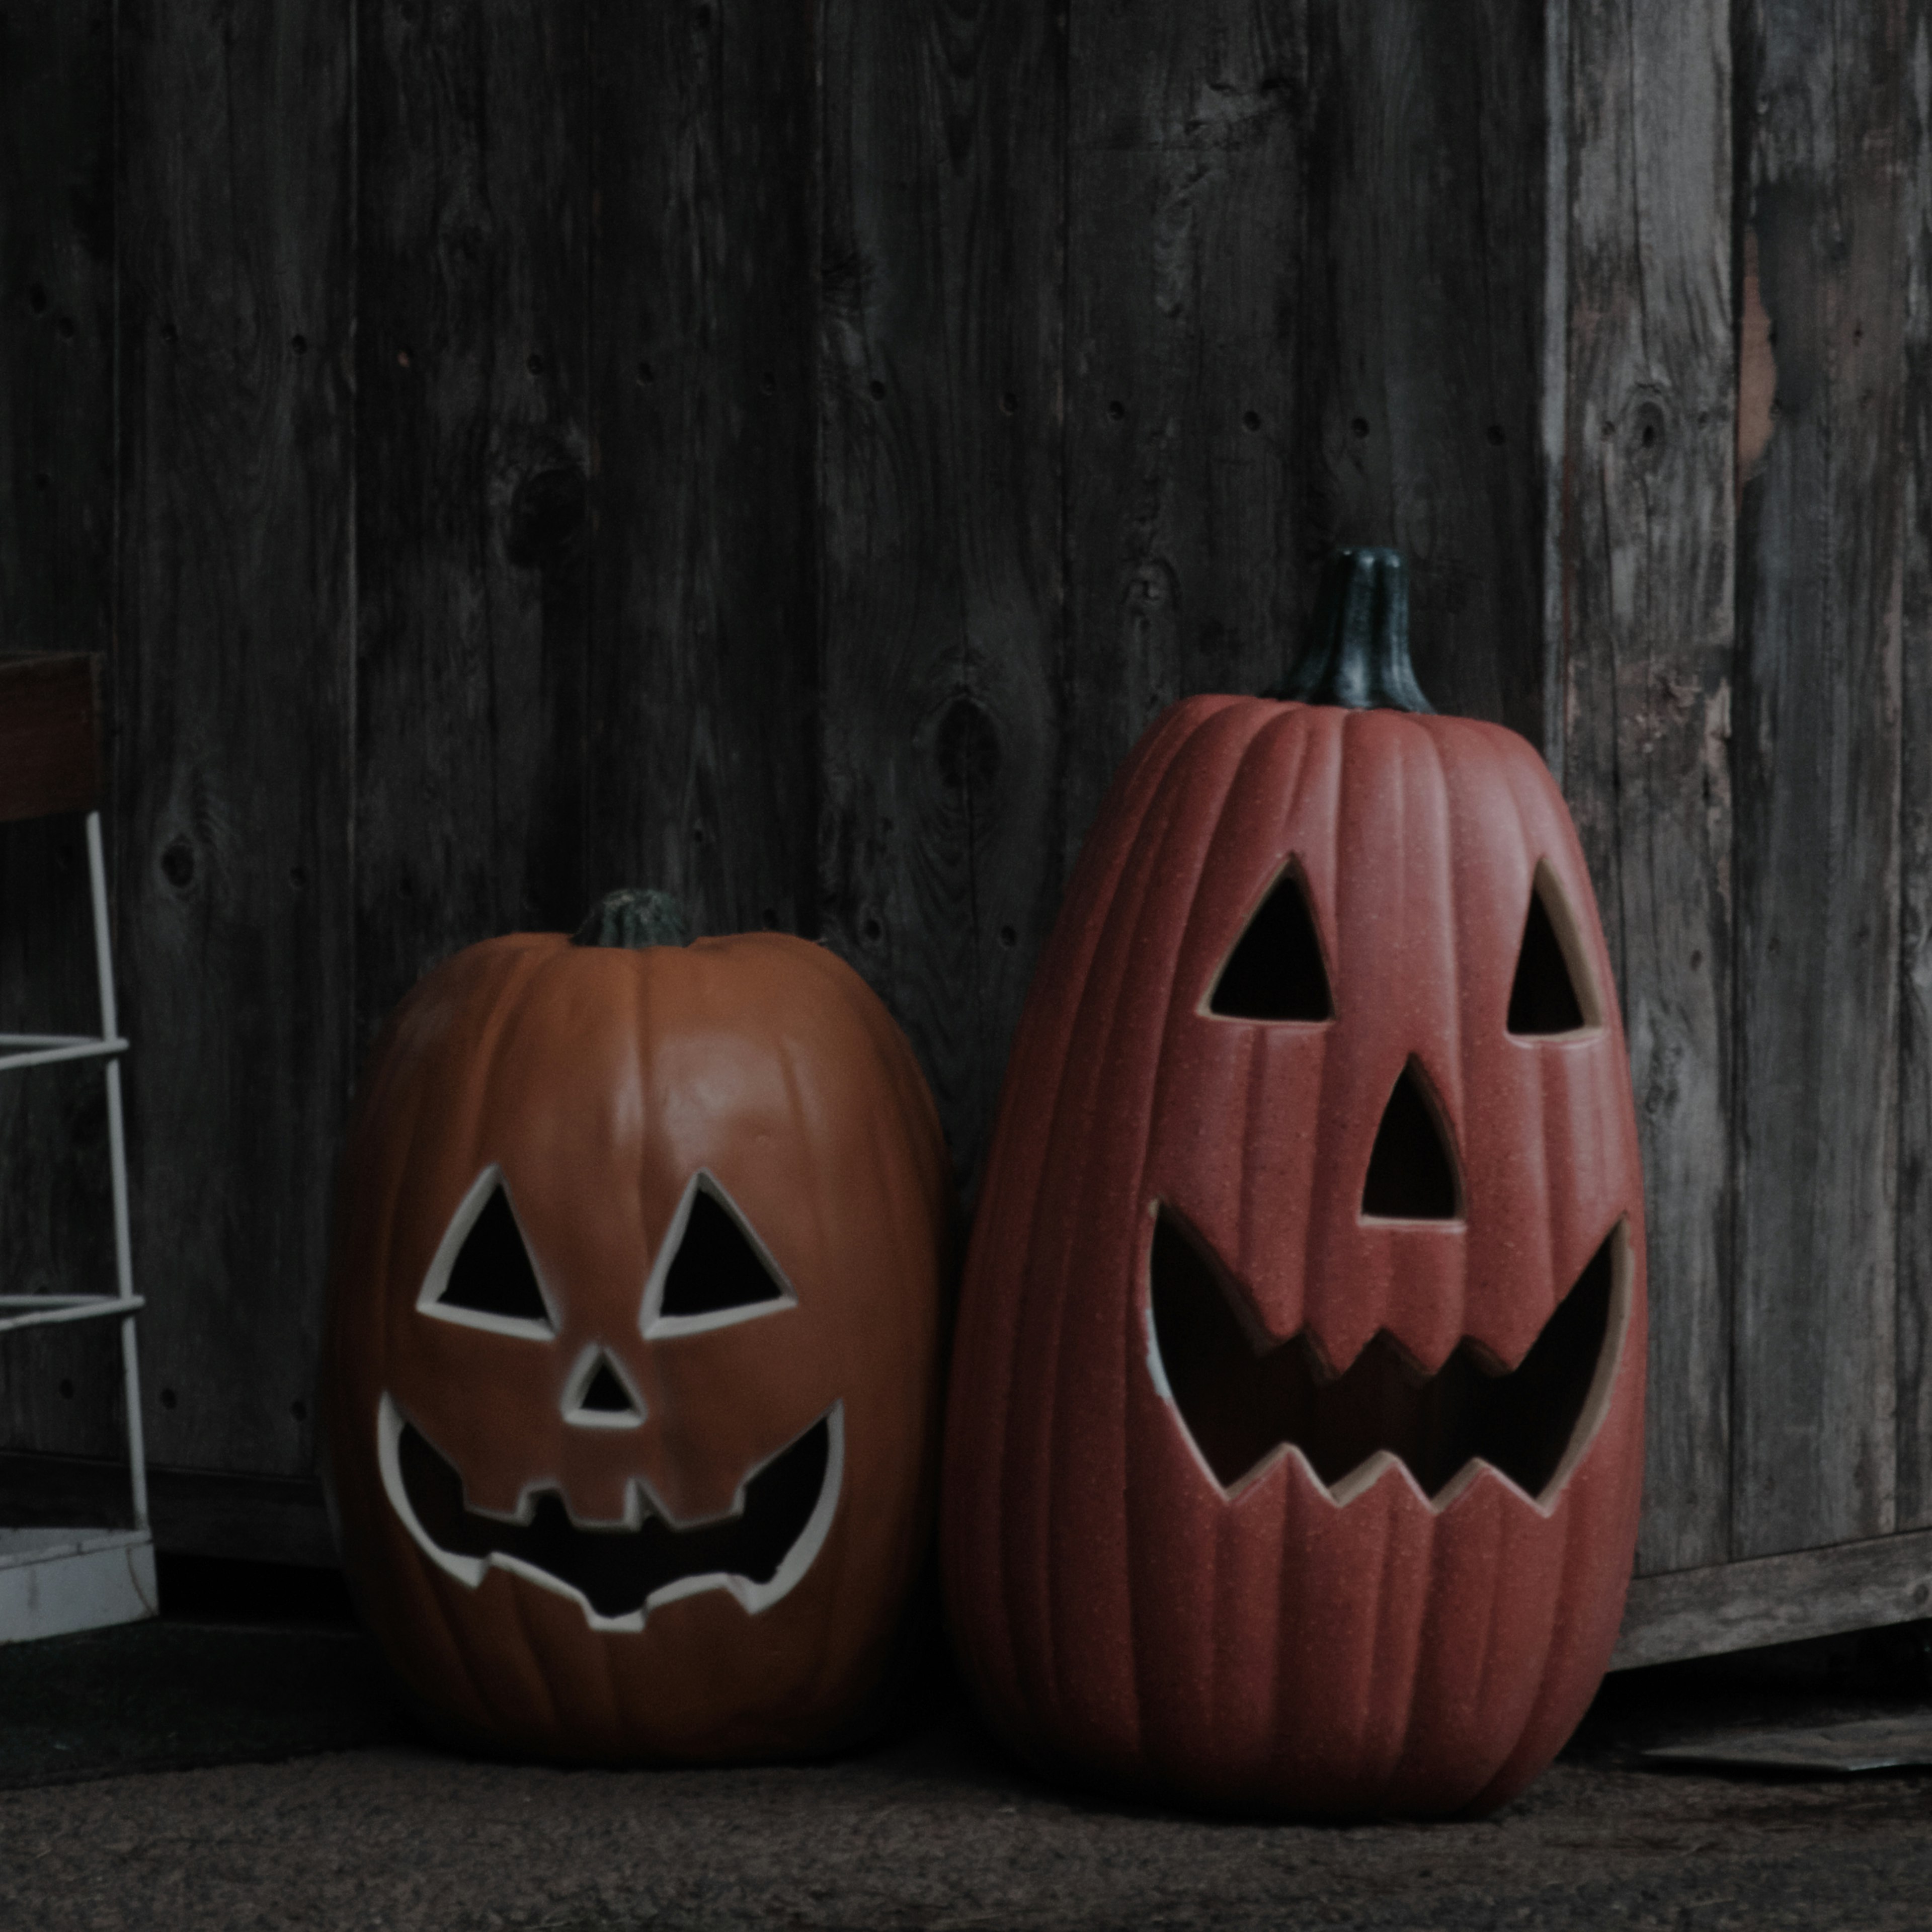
(788, 454)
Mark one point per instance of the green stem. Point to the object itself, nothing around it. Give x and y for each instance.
(1357, 655)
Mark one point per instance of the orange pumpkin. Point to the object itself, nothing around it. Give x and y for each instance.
(1295, 1439)
(628, 1388)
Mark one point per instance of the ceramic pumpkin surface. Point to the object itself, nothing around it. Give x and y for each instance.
(629, 1386)
(1295, 1434)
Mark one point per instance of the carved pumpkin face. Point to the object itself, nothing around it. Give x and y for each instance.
(632, 1339)
(1295, 1439)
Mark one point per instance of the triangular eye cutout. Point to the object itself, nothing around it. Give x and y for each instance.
(1411, 1171)
(1275, 971)
(714, 1271)
(1545, 998)
(602, 1399)
(482, 1275)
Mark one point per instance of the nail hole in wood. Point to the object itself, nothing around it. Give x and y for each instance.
(1360, 426)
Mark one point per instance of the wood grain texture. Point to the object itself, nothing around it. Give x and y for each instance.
(57, 231)
(1913, 1505)
(942, 729)
(233, 692)
(1188, 562)
(1807, 1593)
(1422, 274)
(473, 457)
(701, 773)
(1819, 583)
(1649, 447)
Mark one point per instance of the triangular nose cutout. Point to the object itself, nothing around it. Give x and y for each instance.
(602, 1401)
(1275, 971)
(605, 1393)
(1411, 1171)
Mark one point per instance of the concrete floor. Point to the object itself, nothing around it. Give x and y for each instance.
(934, 1830)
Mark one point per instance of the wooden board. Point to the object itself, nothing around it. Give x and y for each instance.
(1817, 757)
(1189, 561)
(195, 1513)
(232, 700)
(701, 745)
(58, 219)
(473, 455)
(939, 378)
(1785, 1599)
(791, 454)
(1913, 1504)
(1647, 669)
(1421, 277)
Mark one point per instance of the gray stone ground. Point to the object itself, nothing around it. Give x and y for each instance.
(936, 1836)
(936, 1830)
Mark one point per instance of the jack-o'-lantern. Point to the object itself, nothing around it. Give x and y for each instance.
(1294, 1442)
(629, 1392)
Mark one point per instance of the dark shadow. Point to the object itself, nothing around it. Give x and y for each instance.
(1275, 971)
(1542, 999)
(1412, 1173)
(492, 1274)
(715, 1267)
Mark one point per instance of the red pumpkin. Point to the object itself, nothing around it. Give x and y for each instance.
(629, 1383)
(1295, 1437)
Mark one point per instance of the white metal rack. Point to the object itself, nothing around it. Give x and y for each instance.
(57, 1579)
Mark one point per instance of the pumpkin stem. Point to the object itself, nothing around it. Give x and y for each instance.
(1356, 654)
(638, 916)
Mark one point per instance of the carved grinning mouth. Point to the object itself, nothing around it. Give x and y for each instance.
(1245, 1400)
(757, 1550)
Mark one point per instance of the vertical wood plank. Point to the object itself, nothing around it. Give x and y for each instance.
(1423, 280)
(56, 592)
(939, 363)
(233, 693)
(703, 747)
(472, 480)
(1649, 443)
(1187, 556)
(1820, 568)
(1914, 1507)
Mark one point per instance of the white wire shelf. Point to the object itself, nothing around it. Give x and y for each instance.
(36, 1311)
(45, 1049)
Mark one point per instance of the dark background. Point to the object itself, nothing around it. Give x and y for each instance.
(511, 448)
